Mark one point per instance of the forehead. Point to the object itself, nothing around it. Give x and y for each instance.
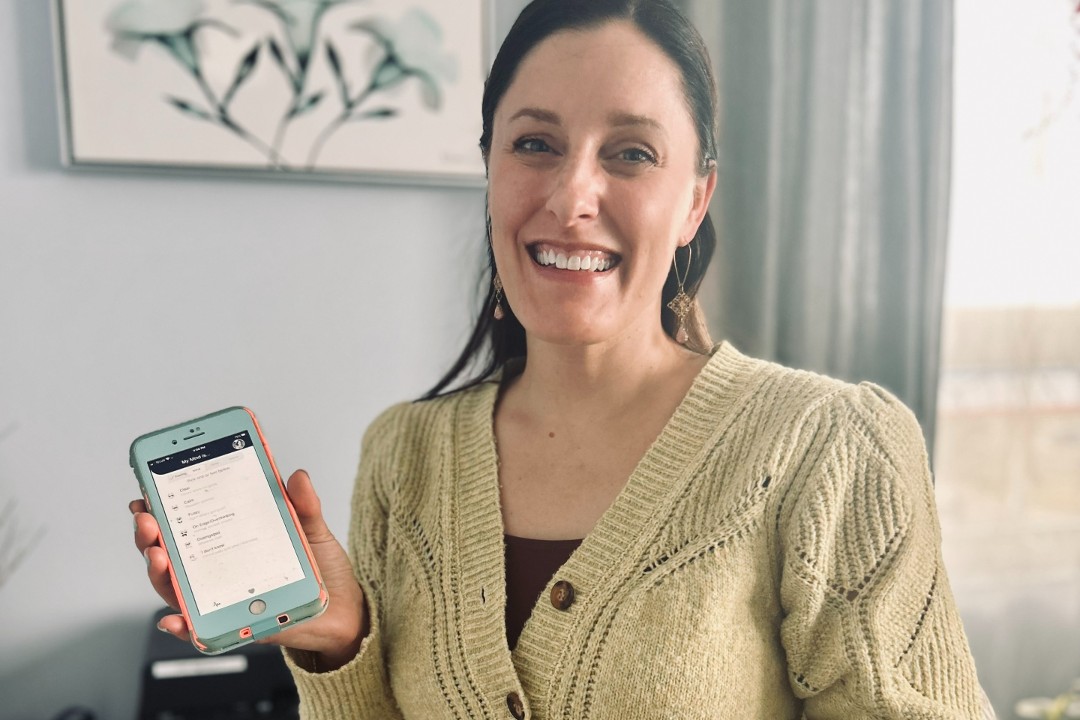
(614, 68)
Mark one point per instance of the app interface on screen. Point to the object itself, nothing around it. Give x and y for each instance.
(223, 517)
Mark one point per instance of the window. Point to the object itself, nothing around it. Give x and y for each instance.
(1007, 457)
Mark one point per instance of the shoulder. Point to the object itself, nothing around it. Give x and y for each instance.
(834, 412)
(763, 387)
(847, 455)
(403, 426)
(788, 388)
(411, 442)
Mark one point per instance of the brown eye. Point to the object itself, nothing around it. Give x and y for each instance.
(637, 156)
(531, 145)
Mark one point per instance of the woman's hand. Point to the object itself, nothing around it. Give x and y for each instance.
(334, 636)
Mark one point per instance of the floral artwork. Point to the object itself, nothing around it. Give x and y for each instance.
(380, 88)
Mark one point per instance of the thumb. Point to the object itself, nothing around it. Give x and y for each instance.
(308, 507)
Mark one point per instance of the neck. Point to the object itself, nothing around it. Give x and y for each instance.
(604, 380)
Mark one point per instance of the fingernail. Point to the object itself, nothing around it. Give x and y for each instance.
(146, 555)
(135, 521)
(158, 626)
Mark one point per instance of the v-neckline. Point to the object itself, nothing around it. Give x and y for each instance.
(474, 520)
(673, 442)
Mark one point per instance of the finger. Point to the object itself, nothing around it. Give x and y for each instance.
(137, 506)
(175, 626)
(146, 531)
(308, 507)
(157, 569)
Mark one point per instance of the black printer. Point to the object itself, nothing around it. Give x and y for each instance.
(180, 683)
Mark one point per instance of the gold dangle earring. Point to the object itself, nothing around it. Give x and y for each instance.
(497, 282)
(680, 304)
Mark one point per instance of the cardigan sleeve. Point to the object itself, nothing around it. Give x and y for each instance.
(360, 688)
(870, 629)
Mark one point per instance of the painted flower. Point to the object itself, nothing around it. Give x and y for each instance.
(413, 48)
(154, 17)
(417, 39)
(165, 21)
(170, 23)
(301, 21)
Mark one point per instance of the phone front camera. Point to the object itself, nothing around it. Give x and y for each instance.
(173, 442)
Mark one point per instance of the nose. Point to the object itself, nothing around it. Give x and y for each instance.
(575, 191)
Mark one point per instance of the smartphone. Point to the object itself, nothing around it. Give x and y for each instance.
(239, 561)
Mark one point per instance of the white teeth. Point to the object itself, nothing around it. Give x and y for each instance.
(572, 262)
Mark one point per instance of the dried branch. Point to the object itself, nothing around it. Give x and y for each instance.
(15, 543)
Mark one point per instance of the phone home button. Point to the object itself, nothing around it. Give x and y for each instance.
(257, 607)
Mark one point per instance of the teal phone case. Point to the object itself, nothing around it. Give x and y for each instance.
(237, 623)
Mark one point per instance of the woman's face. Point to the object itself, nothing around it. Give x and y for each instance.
(593, 183)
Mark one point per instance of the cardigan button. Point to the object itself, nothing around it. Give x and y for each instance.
(517, 708)
(562, 595)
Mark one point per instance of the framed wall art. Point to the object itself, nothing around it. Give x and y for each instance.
(379, 90)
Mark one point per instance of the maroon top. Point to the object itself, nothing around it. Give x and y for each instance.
(530, 566)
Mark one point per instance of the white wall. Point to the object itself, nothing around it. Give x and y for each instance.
(131, 301)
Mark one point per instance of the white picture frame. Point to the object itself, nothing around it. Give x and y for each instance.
(368, 90)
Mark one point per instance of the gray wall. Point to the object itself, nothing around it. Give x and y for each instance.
(130, 301)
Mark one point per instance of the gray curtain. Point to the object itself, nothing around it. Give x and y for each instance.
(832, 204)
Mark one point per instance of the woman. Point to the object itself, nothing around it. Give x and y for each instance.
(711, 536)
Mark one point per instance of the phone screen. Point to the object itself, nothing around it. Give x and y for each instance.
(232, 540)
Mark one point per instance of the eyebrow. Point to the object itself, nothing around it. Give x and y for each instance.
(616, 119)
(537, 114)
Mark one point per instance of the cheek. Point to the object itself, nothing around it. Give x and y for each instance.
(511, 199)
(646, 221)
(656, 234)
(509, 209)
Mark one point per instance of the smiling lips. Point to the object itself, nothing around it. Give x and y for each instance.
(578, 260)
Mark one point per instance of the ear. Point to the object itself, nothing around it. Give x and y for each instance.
(699, 205)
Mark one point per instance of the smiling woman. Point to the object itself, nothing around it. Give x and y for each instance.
(605, 521)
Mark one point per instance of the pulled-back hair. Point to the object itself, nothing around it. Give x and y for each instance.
(495, 342)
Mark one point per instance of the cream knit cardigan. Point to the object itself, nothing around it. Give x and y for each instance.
(774, 555)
